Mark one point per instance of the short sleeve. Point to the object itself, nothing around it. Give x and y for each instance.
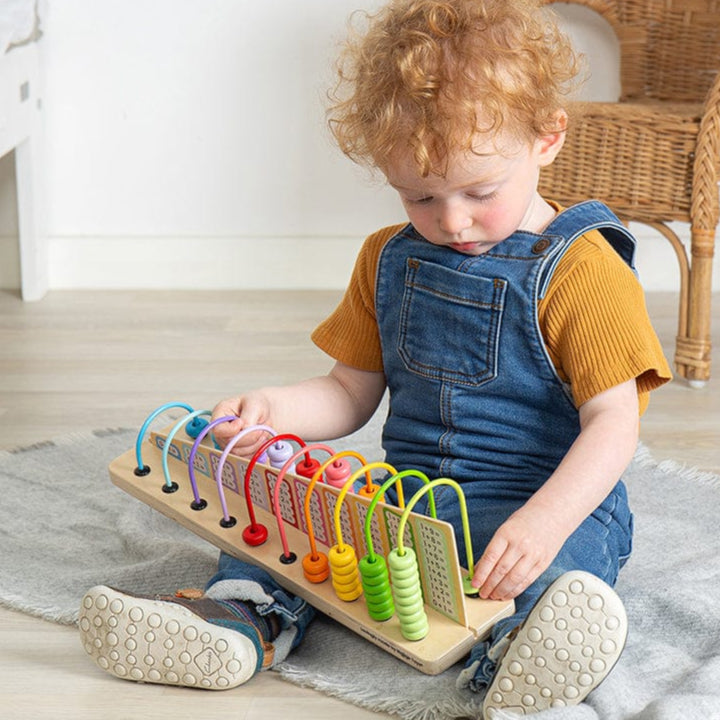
(350, 334)
(596, 326)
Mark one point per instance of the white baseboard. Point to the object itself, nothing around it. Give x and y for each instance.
(250, 263)
(202, 263)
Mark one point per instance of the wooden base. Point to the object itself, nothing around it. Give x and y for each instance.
(446, 643)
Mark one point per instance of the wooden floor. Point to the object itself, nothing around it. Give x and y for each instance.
(88, 360)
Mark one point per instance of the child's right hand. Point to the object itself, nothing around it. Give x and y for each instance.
(253, 408)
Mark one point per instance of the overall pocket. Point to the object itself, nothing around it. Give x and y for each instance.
(450, 323)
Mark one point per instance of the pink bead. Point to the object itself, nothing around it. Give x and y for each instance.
(337, 473)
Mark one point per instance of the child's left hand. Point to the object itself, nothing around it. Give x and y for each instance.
(525, 545)
(520, 551)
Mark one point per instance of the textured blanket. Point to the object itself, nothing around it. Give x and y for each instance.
(64, 527)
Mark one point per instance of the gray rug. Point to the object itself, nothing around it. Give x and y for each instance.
(64, 527)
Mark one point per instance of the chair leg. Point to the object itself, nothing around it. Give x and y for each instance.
(692, 355)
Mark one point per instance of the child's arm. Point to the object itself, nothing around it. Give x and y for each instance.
(321, 408)
(525, 545)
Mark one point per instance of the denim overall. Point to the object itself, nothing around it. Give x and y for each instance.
(475, 397)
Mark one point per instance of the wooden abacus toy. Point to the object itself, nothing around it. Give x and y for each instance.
(408, 594)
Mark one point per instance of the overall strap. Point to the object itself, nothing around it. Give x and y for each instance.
(579, 219)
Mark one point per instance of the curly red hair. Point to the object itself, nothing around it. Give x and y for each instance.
(427, 75)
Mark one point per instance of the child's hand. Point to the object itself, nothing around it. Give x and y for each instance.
(250, 409)
(520, 551)
(528, 541)
(328, 406)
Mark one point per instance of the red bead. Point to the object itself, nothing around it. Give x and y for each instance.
(255, 535)
(307, 468)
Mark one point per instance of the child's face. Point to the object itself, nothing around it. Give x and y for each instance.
(485, 196)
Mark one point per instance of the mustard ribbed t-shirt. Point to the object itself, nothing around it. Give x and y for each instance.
(593, 319)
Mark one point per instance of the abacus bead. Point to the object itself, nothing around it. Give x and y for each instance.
(373, 564)
(372, 578)
(337, 473)
(414, 618)
(405, 590)
(347, 587)
(402, 566)
(344, 571)
(279, 453)
(382, 600)
(408, 594)
(255, 535)
(369, 492)
(350, 594)
(376, 586)
(381, 611)
(375, 593)
(196, 426)
(396, 560)
(317, 569)
(340, 555)
(345, 568)
(319, 577)
(415, 631)
(307, 468)
(403, 572)
(373, 572)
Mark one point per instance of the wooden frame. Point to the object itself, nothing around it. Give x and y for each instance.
(456, 622)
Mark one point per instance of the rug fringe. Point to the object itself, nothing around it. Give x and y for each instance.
(49, 614)
(644, 458)
(407, 709)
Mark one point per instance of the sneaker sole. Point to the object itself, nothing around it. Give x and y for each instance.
(566, 647)
(153, 641)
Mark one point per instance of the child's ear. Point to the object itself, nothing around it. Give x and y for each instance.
(549, 145)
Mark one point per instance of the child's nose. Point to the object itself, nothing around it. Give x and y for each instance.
(454, 218)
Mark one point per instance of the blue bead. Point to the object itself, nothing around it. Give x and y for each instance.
(196, 426)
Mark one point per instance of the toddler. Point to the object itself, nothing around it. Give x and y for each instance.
(511, 334)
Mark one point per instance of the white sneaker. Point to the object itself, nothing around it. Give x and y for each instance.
(565, 648)
(164, 641)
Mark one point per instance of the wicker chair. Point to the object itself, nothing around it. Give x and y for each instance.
(654, 156)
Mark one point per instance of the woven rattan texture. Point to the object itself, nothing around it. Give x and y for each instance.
(654, 156)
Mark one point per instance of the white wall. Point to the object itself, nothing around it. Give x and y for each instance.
(186, 146)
